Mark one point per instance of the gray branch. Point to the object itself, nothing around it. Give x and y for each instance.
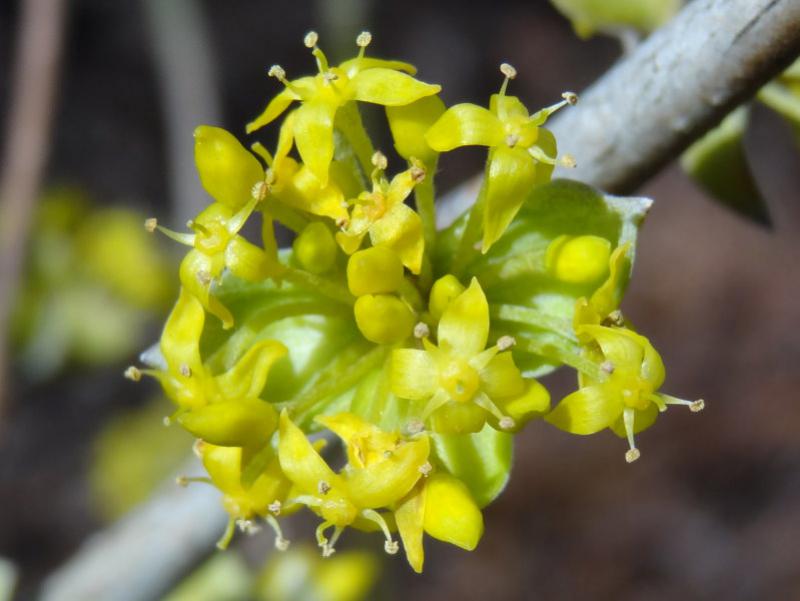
(674, 87)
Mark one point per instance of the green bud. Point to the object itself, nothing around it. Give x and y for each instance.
(578, 259)
(383, 319)
(374, 271)
(315, 248)
(444, 290)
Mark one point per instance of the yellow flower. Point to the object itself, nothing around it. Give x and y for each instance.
(521, 153)
(383, 214)
(359, 79)
(263, 497)
(382, 468)
(442, 506)
(216, 247)
(463, 384)
(623, 397)
(223, 409)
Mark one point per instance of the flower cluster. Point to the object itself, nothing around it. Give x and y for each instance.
(417, 348)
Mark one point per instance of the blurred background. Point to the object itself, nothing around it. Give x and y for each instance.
(711, 511)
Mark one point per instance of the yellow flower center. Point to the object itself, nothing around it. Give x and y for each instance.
(460, 380)
(212, 237)
(332, 87)
(519, 132)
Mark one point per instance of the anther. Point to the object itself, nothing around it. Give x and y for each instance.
(249, 527)
(508, 70)
(415, 426)
(151, 224)
(505, 342)
(421, 330)
(329, 76)
(277, 72)
(506, 423)
(697, 406)
(185, 370)
(275, 507)
(570, 97)
(260, 190)
(391, 547)
(281, 544)
(182, 481)
(615, 318)
(417, 174)
(379, 160)
(511, 140)
(323, 487)
(133, 373)
(327, 550)
(568, 161)
(364, 39)
(425, 469)
(341, 223)
(269, 177)
(632, 455)
(203, 277)
(197, 447)
(607, 367)
(166, 421)
(311, 39)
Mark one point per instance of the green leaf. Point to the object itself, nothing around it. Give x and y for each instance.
(717, 163)
(482, 460)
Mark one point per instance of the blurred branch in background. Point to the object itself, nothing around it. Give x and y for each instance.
(189, 95)
(678, 84)
(667, 93)
(35, 76)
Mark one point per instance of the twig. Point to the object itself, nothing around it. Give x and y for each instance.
(38, 54)
(674, 87)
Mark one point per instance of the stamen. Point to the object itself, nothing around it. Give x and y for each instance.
(568, 161)
(323, 487)
(184, 481)
(511, 140)
(390, 546)
(133, 373)
(204, 278)
(311, 39)
(507, 423)
(697, 406)
(249, 527)
(379, 160)
(484, 402)
(421, 330)
(436, 401)
(237, 221)
(364, 39)
(166, 421)
(197, 447)
(505, 342)
(570, 97)
(633, 453)
(425, 469)
(226, 537)
(615, 318)
(509, 73)
(694, 406)
(260, 150)
(185, 370)
(275, 507)
(260, 191)
(540, 155)
(151, 224)
(417, 173)
(281, 543)
(415, 426)
(278, 73)
(607, 367)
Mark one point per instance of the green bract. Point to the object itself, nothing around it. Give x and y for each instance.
(412, 346)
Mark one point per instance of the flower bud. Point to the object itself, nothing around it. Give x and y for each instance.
(451, 514)
(444, 290)
(315, 249)
(409, 124)
(383, 319)
(373, 271)
(578, 259)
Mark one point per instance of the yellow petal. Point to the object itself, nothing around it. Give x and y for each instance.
(180, 341)
(533, 402)
(547, 142)
(300, 461)
(236, 423)
(443, 291)
(607, 297)
(224, 466)
(390, 88)
(366, 443)
(247, 378)
(451, 514)
(465, 125)
(354, 65)
(586, 411)
(501, 378)
(623, 348)
(642, 420)
(410, 515)
(196, 271)
(385, 482)
(512, 175)
(455, 417)
(464, 327)
(410, 122)
(401, 230)
(349, 243)
(227, 170)
(313, 134)
(507, 107)
(275, 107)
(412, 374)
